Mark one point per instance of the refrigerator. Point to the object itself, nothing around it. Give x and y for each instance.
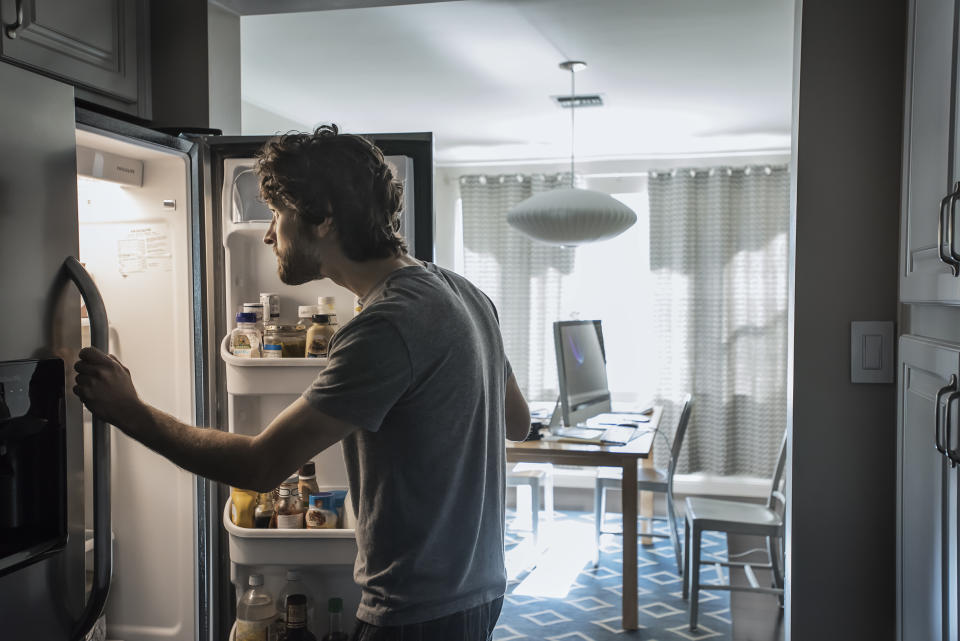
(145, 243)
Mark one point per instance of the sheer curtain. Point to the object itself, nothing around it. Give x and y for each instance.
(523, 278)
(718, 250)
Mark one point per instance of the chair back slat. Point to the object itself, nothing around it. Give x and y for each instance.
(685, 411)
(778, 500)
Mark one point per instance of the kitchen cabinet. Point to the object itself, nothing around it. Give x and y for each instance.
(101, 47)
(928, 422)
(930, 252)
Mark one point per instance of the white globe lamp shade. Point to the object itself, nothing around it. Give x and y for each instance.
(571, 217)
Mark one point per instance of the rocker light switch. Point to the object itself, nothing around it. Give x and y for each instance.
(871, 352)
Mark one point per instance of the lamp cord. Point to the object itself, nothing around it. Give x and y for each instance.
(573, 108)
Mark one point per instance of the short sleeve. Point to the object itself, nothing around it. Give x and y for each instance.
(368, 370)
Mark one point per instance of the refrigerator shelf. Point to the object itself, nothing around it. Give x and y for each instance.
(258, 376)
(249, 546)
(255, 229)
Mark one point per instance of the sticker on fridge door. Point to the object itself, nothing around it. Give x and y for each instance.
(144, 248)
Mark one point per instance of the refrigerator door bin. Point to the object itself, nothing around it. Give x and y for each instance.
(251, 546)
(258, 376)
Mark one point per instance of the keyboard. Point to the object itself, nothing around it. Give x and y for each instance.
(613, 435)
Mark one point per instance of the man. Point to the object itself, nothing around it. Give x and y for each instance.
(417, 388)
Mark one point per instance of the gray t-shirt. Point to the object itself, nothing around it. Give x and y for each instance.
(422, 371)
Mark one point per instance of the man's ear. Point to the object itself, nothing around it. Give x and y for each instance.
(325, 228)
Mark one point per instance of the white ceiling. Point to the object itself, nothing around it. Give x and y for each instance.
(679, 77)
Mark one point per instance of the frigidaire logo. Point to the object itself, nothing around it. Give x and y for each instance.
(126, 169)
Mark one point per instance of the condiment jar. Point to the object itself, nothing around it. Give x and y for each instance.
(305, 316)
(289, 508)
(307, 479)
(319, 335)
(284, 341)
(320, 516)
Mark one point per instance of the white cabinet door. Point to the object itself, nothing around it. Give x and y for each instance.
(928, 377)
(924, 276)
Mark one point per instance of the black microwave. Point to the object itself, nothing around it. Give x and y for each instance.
(33, 478)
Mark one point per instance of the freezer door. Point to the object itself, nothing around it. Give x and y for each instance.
(38, 229)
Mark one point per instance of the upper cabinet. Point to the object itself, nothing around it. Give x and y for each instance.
(99, 46)
(930, 251)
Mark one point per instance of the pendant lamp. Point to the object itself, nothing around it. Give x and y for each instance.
(571, 216)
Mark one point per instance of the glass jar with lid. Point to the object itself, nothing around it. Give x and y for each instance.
(305, 316)
(284, 341)
(319, 335)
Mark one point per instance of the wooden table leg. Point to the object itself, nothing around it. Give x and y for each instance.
(646, 508)
(629, 588)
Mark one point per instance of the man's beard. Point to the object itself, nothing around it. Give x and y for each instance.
(298, 264)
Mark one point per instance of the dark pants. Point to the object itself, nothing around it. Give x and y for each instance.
(475, 624)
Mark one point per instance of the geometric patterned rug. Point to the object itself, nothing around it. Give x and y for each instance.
(555, 593)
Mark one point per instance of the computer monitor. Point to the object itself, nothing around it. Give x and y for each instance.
(582, 369)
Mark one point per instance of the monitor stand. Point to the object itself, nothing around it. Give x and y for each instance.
(556, 419)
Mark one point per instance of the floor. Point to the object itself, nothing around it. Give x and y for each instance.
(555, 593)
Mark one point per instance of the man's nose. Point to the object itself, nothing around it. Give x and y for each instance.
(270, 237)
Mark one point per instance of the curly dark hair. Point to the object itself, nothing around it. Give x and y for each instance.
(342, 176)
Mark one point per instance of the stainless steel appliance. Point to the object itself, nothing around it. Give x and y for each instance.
(156, 291)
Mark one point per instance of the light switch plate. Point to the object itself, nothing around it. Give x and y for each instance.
(871, 352)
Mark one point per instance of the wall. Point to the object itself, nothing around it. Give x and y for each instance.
(848, 112)
(223, 46)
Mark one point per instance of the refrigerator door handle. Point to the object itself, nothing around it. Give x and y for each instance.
(940, 392)
(952, 454)
(951, 229)
(946, 257)
(102, 551)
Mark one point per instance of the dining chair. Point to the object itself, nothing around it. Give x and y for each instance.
(648, 480)
(535, 476)
(736, 517)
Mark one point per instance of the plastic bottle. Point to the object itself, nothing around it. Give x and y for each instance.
(256, 613)
(295, 585)
(245, 339)
(271, 308)
(336, 633)
(328, 305)
(257, 310)
(243, 503)
(319, 335)
(307, 481)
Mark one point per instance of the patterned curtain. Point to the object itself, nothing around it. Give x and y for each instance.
(523, 278)
(718, 250)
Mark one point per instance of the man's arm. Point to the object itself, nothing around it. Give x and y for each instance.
(516, 410)
(251, 462)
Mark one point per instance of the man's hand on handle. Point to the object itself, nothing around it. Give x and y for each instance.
(105, 387)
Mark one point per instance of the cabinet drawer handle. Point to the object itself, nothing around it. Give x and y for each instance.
(949, 387)
(12, 28)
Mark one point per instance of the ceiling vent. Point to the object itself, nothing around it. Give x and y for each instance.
(582, 100)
